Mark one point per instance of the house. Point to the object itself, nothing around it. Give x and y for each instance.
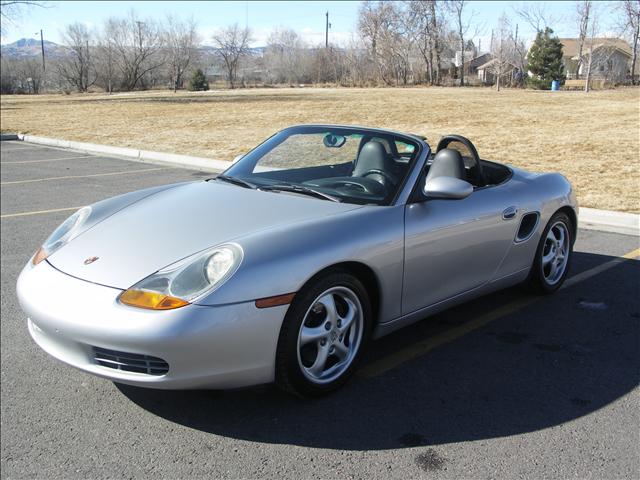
(471, 66)
(470, 52)
(611, 59)
(487, 72)
(450, 66)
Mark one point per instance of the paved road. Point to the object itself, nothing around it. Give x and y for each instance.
(507, 386)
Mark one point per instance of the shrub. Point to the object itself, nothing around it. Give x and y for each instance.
(198, 81)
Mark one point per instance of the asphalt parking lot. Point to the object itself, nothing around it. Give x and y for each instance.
(508, 386)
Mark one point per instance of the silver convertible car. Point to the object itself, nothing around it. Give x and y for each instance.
(285, 266)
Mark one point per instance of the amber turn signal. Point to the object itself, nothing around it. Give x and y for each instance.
(151, 300)
(40, 255)
(275, 301)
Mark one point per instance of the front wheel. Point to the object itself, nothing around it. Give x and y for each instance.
(323, 335)
(553, 256)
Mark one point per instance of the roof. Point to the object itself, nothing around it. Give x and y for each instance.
(491, 62)
(479, 60)
(571, 46)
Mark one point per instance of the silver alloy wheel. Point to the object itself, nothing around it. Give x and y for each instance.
(555, 253)
(330, 335)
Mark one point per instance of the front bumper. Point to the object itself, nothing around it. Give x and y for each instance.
(224, 346)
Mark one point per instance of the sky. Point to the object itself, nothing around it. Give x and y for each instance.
(306, 17)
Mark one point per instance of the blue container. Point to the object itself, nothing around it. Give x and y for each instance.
(555, 85)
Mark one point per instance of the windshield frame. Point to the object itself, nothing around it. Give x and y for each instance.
(244, 167)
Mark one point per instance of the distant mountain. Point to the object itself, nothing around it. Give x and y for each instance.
(209, 51)
(30, 47)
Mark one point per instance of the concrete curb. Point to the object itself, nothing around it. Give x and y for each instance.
(609, 221)
(146, 156)
(588, 218)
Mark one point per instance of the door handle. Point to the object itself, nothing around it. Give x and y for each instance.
(509, 213)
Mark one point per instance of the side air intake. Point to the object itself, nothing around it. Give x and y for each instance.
(528, 225)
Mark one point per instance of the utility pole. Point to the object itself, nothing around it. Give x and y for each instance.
(42, 47)
(515, 49)
(86, 85)
(326, 32)
(140, 33)
(44, 76)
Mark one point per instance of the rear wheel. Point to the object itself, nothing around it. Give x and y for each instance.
(553, 256)
(323, 335)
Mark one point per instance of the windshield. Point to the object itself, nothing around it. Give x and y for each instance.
(343, 164)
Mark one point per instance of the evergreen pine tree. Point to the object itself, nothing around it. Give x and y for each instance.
(198, 81)
(545, 60)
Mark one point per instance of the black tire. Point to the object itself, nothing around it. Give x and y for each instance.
(537, 282)
(289, 374)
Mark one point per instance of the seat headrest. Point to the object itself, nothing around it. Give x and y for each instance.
(372, 156)
(447, 163)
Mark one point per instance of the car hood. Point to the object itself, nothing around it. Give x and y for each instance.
(175, 223)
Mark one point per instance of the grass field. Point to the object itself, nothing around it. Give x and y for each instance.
(593, 139)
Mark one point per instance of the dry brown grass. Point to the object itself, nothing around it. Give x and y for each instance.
(593, 139)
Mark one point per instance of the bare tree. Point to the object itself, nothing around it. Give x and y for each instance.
(370, 24)
(437, 23)
(138, 48)
(384, 27)
(457, 8)
(535, 14)
(358, 64)
(76, 69)
(425, 20)
(31, 75)
(503, 51)
(397, 45)
(8, 75)
(233, 45)
(588, 31)
(519, 53)
(630, 17)
(286, 57)
(10, 9)
(106, 66)
(583, 12)
(180, 40)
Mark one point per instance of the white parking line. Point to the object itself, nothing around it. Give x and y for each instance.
(17, 182)
(49, 160)
(16, 149)
(38, 212)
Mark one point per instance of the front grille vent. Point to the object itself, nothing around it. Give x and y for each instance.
(130, 362)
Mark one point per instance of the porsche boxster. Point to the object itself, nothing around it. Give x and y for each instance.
(282, 268)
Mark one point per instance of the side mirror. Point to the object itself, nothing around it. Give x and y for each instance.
(447, 187)
(238, 157)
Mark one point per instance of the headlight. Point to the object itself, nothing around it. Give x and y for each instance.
(180, 283)
(62, 235)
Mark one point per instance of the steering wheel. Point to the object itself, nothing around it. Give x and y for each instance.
(476, 168)
(382, 173)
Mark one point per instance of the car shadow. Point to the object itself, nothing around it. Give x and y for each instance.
(557, 359)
